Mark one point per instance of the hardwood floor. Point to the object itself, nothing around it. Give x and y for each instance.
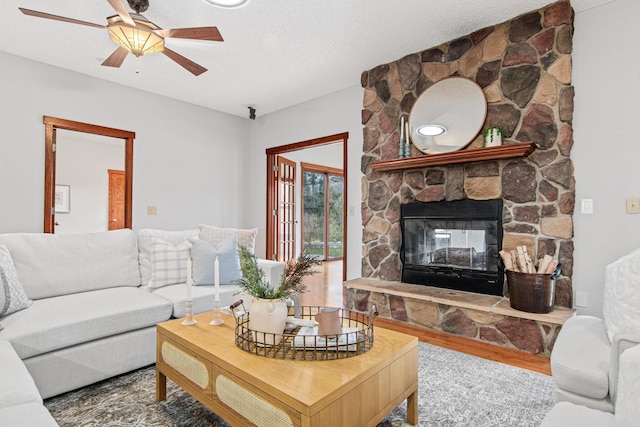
(325, 289)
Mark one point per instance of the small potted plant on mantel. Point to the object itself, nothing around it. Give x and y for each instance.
(268, 312)
(493, 136)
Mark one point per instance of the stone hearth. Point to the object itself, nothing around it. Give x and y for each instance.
(481, 317)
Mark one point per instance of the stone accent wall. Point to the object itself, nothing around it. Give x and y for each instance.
(500, 326)
(524, 68)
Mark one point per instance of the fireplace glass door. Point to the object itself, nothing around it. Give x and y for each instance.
(446, 243)
(453, 245)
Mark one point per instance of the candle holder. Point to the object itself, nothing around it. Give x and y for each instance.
(188, 318)
(217, 319)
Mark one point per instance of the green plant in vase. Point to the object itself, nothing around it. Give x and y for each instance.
(254, 283)
(493, 136)
(268, 310)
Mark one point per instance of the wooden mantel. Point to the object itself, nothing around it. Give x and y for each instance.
(507, 151)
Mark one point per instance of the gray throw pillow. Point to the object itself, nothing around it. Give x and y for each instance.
(203, 255)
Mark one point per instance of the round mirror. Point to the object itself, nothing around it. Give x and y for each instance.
(448, 115)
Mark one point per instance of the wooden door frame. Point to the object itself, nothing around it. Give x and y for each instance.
(327, 171)
(273, 152)
(54, 123)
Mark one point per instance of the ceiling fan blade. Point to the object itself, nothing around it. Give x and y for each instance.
(122, 11)
(195, 33)
(188, 64)
(116, 58)
(58, 18)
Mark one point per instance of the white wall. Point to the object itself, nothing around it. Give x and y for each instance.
(188, 160)
(331, 114)
(606, 152)
(83, 165)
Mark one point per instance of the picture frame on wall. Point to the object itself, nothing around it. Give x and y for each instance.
(63, 198)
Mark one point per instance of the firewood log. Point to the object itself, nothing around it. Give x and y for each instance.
(514, 260)
(552, 267)
(506, 259)
(522, 262)
(544, 264)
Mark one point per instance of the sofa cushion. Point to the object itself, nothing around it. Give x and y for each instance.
(202, 297)
(204, 255)
(17, 385)
(58, 322)
(144, 247)
(12, 296)
(168, 262)
(27, 415)
(215, 235)
(566, 414)
(621, 297)
(580, 357)
(49, 265)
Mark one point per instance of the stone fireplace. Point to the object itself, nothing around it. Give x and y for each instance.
(524, 68)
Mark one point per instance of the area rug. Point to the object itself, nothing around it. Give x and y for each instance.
(455, 389)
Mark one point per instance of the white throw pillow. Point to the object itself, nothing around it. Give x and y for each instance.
(168, 262)
(12, 296)
(204, 255)
(215, 235)
(621, 298)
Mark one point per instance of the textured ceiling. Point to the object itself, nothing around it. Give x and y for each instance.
(276, 53)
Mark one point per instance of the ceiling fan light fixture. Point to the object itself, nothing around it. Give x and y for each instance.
(228, 4)
(138, 40)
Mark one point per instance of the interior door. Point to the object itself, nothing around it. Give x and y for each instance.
(116, 199)
(286, 209)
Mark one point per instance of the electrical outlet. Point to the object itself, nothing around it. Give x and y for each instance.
(633, 205)
(582, 299)
(152, 210)
(352, 210)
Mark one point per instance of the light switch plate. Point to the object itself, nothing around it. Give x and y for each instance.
(152, 210)
(633, 205)
(586, 207)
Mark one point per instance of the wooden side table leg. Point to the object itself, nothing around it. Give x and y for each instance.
(412, 408)
(161, 386)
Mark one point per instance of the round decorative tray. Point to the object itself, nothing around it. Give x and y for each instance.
(303, 342)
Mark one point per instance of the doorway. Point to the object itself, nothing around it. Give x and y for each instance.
(273, 188)
(52, 125)
(322, 211)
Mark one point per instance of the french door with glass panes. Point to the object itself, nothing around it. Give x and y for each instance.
(322, 211)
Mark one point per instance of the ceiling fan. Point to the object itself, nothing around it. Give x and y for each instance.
(137, 35)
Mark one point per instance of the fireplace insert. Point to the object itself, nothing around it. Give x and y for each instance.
(453, 245)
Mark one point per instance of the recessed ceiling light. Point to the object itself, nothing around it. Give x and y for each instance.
(431, 130)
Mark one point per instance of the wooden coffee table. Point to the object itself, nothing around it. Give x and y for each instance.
(246, 389)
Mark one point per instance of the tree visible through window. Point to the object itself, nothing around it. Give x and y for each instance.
(323, 214)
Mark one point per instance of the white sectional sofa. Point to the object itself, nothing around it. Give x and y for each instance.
(94, 300)
(20, 402)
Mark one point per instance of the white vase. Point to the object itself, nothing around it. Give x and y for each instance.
(267, 320)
